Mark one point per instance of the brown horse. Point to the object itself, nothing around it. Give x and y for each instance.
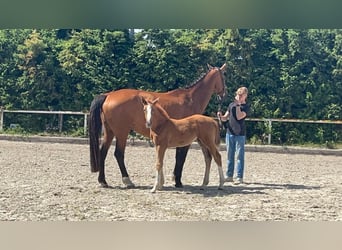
(119, 112)
(166, 132)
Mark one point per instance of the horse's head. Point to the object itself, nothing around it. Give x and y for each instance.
(220, 86)
(148, 110)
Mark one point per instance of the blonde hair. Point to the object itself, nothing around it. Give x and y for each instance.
(241, 91)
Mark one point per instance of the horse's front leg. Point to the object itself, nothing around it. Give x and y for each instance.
(159, 181)
(181, 153)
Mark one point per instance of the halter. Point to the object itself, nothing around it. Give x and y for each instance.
(224, 87)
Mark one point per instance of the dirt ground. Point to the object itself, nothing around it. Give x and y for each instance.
(52, 182)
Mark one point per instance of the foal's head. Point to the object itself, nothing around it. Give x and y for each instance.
(154, 113)
(148, 106)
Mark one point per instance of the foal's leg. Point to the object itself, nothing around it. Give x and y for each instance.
(120, 158)
(181, 153)
(207, 159)
(218, 159)
(159, 182)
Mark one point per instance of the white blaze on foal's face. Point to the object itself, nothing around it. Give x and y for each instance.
(148, 115)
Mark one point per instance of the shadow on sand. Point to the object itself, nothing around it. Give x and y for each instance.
(228, 189)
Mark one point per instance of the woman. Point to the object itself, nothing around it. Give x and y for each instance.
(236, 134)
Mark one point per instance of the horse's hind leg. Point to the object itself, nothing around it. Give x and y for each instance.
(119, 154)
(107, 140)
(207, 159)
(218, 159)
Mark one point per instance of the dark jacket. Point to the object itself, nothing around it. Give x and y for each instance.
(235, 126)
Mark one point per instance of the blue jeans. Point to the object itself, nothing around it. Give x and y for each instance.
(235, 146)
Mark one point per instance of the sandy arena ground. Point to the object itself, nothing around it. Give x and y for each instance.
(52, 182)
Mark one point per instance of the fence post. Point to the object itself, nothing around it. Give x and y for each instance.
(60, 122)
(270, 131)
(85, 124)
(1, 118)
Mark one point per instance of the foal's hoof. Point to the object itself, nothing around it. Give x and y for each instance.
(104, 185)
(205, 183)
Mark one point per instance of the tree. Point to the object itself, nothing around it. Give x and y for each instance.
(95, 61)
(289, 73)
(9, 71)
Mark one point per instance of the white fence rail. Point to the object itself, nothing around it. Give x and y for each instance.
(270, 120)
(61, 113)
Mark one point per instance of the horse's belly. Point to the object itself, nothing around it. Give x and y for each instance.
(180, 142)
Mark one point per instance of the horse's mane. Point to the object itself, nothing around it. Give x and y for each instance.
(189, 86)
(197, 81)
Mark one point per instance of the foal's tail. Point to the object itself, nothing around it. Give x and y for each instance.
(95, 126)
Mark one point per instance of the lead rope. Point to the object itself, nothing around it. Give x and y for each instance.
(219, 109)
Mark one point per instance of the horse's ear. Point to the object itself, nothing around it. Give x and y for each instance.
(143, 100)
(209, 66)
(156, 100)
(223, 67)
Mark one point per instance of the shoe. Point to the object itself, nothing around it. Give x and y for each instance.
(238, 181)
(228, 179)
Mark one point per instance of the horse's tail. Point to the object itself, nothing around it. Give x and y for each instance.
(95, 127)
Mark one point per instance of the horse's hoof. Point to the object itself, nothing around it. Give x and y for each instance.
(179, 185)
(128, 182)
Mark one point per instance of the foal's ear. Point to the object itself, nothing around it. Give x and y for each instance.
(143, 100)
(209, 66)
